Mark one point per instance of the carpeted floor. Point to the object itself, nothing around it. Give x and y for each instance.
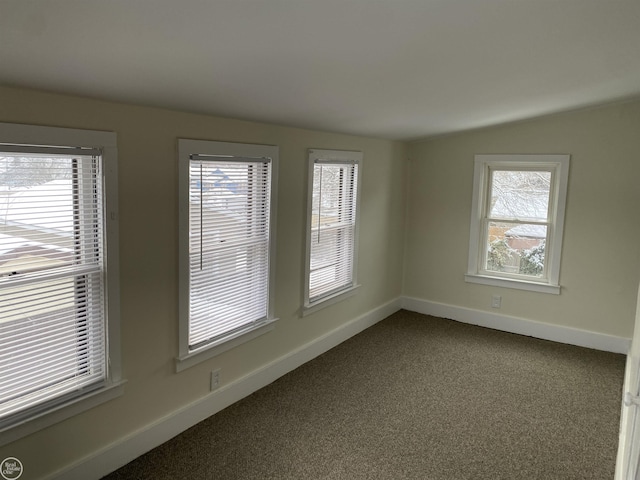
(414, 397)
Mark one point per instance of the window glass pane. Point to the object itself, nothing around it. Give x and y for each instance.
(329, 267)
(519, 195)
(36, 213)
(51, 340)
(333, 217)
(516, 248)
(328, 184)
(52, 330)
(228, 247)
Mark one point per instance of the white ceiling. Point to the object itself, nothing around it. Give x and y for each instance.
(400, 69)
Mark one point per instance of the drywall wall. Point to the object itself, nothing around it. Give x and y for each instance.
(599, 271)
(148, 188)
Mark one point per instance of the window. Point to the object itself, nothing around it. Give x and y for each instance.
(517, 221)
(226, 244)
(332, 209)
(58, 300)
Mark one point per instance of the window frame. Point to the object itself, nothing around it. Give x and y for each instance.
(558, 166)
(331, 157)
(186, 149)
(57, 410)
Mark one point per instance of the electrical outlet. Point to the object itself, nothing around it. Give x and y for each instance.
(215, 379)
(496, 301)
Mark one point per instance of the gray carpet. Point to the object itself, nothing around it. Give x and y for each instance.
(414, 397)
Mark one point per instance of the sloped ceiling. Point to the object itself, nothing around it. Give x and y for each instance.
(398, 69)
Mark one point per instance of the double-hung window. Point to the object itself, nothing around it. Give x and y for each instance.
(332, 211)
(58, 283)
(517, 221)
(226, 195)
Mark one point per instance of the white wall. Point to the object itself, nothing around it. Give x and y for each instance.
(599, 272)
(148, 254)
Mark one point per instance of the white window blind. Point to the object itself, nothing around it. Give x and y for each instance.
(52, 315)
(229, 245)
(332, 223)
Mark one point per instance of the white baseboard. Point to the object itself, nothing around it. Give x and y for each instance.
(521, 326)
(132, 446)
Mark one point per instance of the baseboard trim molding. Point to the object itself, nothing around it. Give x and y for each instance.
(521, 326)
(123, 451)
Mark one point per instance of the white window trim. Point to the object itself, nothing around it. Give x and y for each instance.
(186, 148)
(330, 300)
(558, 197)
(114, 385)
(337, 156)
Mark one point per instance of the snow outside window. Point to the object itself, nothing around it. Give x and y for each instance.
(517, 220)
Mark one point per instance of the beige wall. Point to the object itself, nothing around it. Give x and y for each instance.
(148, 259)
(601, 252)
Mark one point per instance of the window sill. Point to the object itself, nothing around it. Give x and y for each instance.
(61, 412)
(512, 283)
(227, 343)
(330, 300)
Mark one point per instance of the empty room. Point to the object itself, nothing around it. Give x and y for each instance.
(319, 239)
